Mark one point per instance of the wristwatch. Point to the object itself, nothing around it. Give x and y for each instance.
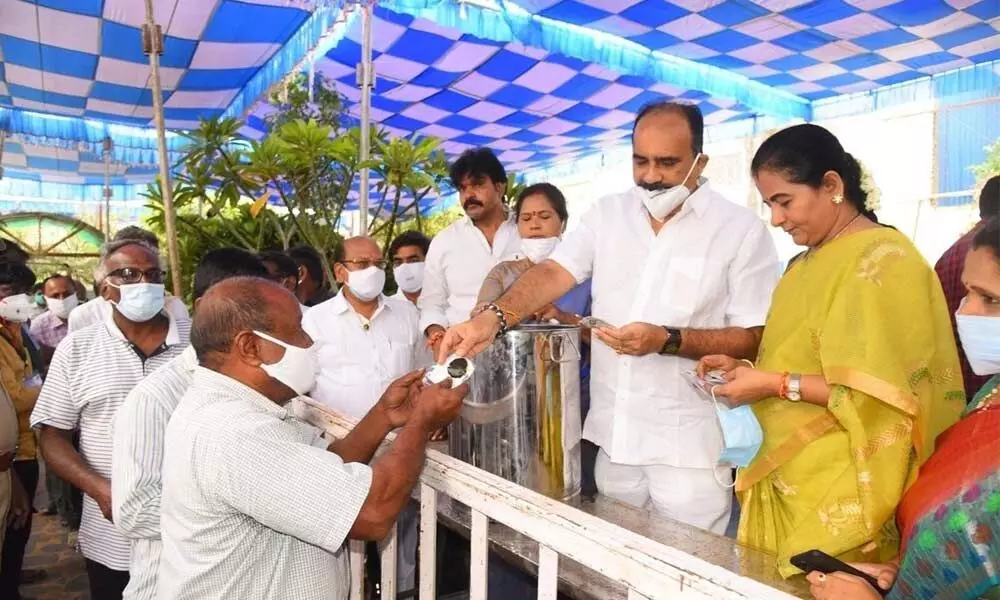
(673, 344)
(794, 392)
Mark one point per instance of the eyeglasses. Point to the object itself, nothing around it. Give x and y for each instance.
(133, 275)
(364, 264)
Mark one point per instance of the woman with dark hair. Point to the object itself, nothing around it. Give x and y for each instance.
(950, 518)
(857, 371)
(541, 214)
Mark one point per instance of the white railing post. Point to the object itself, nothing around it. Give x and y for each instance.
(428, 541)
(357, 549)
(389, 558)
(548, 573)
(479, 553)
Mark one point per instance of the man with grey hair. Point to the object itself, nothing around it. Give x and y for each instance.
(98, 309)
(256, 505)
(91, 373)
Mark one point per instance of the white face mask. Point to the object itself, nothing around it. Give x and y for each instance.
(297, 369)
(538, 249)
(661, 203)
(409, 277)
(139, 302)
(366, 284)
(19, 308)
(980, 337)
(61, 307)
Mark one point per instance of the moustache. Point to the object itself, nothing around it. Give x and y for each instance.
(472, 202)
(655, 187)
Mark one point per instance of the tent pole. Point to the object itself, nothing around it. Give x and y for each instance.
(153, 46)
(107, 187)
(366, 79)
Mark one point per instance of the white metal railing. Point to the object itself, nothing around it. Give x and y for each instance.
(649, 569)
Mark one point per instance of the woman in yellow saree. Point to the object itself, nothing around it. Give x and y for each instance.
(857, 371)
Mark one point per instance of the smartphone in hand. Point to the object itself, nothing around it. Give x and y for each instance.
(817, 560)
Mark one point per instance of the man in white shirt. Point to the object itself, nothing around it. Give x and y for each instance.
(92, 372)
(680, 272)
(98, 309)
(256, 505)
(408, 253)
(367, 340)
(464, 252)
(139, 429)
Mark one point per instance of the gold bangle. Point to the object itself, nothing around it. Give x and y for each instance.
(748, 363)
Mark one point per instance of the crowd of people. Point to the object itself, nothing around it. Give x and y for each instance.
(843, 411)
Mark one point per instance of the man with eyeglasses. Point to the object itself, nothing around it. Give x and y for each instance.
(98, 309)
(367, 341)
(92, 372)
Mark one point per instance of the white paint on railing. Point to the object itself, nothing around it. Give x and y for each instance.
(428, 541)
(548, 573)
(388, 550)
(478, 553)
(648, 569)
(357, 551)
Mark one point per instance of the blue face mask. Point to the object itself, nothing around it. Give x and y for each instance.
(980, 338)
(742, 436)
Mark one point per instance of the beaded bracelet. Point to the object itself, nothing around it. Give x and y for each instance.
(492, 307)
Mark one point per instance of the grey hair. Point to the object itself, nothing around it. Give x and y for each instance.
(110, 248)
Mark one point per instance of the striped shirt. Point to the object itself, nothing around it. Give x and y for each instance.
(136, 461)
(92, 372)
(254, 506)
(98, 309)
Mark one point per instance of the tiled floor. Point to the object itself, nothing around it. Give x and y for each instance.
(51, 549)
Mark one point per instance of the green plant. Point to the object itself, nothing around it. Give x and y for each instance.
(414, 167)
(991, 166)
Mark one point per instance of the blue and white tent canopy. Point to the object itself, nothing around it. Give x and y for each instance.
(812, 48)
(531, 106)
(84, 58)
(540, 81)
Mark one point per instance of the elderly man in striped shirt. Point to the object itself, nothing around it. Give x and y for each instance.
(141, 425)
(256, 505)
(92, 372)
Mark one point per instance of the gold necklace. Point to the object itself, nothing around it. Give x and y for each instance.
(835, 236)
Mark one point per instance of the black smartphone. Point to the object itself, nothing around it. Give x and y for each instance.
(816, 560)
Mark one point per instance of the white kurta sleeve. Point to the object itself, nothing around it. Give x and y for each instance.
(753, 275)
(578, 249)
(433, 301)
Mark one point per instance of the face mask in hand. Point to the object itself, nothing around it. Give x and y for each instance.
(19, 308)
(366, 284)
(980, 337)
(742, 435)
(61, 307)
(538, 249)
(661, 203)
(297, 369)
(140, 302)
(409, 277)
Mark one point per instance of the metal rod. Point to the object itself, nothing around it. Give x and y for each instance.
(173, 256)
(107, 187)
(367, 81)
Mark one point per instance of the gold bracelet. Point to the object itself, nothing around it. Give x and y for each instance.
(749, 363)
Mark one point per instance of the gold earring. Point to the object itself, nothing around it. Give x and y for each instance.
(838, 198)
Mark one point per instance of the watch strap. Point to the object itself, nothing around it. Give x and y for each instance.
(673, 344)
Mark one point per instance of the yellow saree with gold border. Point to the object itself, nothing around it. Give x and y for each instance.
(867, 312)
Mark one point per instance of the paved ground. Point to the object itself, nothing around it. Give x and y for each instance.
(51, 549)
